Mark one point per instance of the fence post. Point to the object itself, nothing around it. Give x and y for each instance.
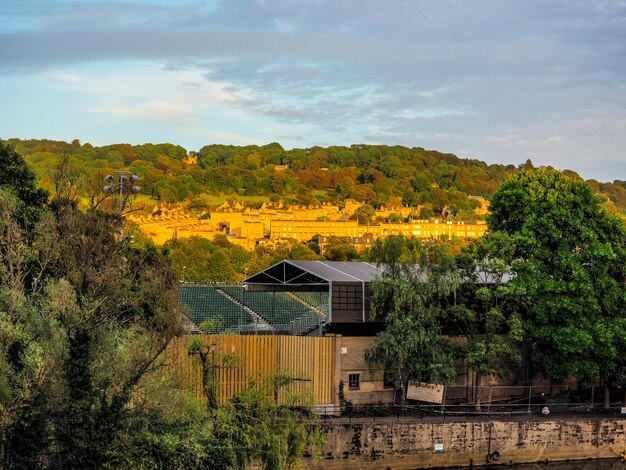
(530, 397)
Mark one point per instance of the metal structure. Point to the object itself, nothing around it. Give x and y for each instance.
(347, 284)
(289, 298)
(122, 185)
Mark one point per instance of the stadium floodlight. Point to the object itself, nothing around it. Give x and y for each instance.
(121, 184)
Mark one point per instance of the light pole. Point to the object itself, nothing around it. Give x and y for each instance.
(123, 185)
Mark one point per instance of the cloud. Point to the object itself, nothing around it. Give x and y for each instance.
(172, 96)
(498, 80)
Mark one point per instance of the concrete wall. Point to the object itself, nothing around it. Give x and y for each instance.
(411, 445)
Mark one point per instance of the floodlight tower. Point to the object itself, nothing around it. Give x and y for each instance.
(122, 184)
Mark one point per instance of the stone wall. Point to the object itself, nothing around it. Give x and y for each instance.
(351, 360)
(412, 445)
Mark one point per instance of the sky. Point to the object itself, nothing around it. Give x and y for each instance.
(500, 81)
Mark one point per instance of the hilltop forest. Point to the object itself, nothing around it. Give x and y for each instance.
(373, 174)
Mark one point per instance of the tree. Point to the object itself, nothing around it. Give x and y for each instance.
(252, 425)
(364, 214)
(495, 327)
(118, 310)
(83, 318)
(412, 295)
(339, 249)
(211, 359)
(17, 176)
(27, 336)
(200, 259)
(569, 259)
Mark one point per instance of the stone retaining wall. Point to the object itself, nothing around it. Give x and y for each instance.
(412, 445)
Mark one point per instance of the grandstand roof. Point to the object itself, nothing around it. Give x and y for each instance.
(306, 273)
(289, 272)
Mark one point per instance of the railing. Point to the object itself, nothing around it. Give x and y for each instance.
(490, 401)
(412, 413)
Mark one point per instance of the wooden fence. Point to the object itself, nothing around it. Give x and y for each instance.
(307, 359)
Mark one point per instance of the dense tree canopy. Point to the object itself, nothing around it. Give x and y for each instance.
(372, 174)
(20, 178)
(569, 257)
(84, 318)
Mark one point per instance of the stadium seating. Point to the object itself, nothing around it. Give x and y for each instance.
(281, 310)
(207, 304)
(318, 300)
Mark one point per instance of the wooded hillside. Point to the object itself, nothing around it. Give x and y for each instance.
(375, 174)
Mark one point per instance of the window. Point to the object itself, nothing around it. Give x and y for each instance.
(354, 381)
(389, 379)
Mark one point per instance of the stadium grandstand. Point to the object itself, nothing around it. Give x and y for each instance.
(289, 298)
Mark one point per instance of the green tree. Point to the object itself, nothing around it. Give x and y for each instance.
(211, 359)
(118, 310)
(200, 259)
(17, 176)
(569, 259)
(412, 296)
(256, 426)
(364, 214)
(83, 319)
(339, 249)
(495, 328)
(28, 339)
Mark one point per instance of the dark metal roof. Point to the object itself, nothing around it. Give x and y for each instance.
(314, 272)
(340, 271)
(292, 272)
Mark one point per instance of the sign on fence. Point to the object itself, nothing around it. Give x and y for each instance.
(431, 393)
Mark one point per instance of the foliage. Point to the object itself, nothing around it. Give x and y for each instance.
(171, 429)
(211, 359)
(412, 295)
(263, 257)
(84, 318)
(569, 256)
(340, 249)
(200, 259)
(16, 175)
(364, 214)
(372, 174)
(344, 404)
(494, 326)
(116, 310)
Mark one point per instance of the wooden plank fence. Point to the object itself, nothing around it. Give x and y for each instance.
(309, 360)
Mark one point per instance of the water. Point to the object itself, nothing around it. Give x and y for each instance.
(603, 464)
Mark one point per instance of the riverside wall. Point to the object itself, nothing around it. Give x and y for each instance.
(392, 445)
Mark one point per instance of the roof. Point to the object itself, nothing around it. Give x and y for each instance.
(303, 273)
(341, 270)
(315, 272)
